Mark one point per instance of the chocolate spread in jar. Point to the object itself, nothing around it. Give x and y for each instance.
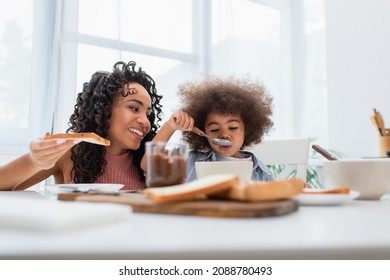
(166, 171)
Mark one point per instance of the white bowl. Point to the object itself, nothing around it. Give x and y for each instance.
(370, 177)
(243, 169)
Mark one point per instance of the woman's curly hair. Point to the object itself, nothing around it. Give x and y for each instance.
(227, 96)
(92, 113)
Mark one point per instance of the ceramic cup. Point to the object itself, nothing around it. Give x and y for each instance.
(370, 177)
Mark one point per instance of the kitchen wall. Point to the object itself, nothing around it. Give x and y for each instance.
(358, 73)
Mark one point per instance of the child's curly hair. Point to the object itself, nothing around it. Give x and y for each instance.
(227, 96)
(92, 113)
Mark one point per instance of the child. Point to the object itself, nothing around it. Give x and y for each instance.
(232, 109)
(123, 107)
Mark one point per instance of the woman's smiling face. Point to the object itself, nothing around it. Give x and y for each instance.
(129, 121)
(227, 127)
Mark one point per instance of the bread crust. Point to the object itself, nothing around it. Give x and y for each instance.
(228, 187)
(204, 186)
(266, 191)
(341, 190)
(89, 137)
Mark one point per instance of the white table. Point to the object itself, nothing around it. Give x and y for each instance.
(357, 230)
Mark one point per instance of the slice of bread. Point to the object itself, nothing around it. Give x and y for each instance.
(341, 190)
(204, 186)
(89, 137)
(265, 191)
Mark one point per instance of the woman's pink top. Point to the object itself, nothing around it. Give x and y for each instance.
(120, 170)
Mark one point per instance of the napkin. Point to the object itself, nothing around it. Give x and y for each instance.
(52, 215)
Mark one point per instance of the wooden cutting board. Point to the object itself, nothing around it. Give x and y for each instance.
(200, 207)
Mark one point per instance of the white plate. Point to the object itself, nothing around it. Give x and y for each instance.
(326, 199)
(65, 188)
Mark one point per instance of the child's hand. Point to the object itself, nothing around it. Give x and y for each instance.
(180, 120)
(45, 153)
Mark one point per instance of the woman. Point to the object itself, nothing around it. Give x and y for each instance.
(123, 107)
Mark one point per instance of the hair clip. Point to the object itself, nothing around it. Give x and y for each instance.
(131, 91)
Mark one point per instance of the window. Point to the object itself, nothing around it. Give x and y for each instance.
(50, 48)
(249, 38)
(160, 42)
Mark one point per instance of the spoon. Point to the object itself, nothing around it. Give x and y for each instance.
(323, 152)
(216, 141)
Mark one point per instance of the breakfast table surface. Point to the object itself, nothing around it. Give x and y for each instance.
(356, 230)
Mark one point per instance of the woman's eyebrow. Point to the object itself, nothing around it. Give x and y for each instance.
(139, 102)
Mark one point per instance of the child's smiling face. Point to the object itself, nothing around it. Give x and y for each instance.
(227, 127)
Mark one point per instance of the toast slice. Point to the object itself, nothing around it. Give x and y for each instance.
(89, 137)
(341, 190)
(264, 191)
(204, 186)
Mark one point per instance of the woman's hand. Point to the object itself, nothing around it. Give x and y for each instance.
(45, 153)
